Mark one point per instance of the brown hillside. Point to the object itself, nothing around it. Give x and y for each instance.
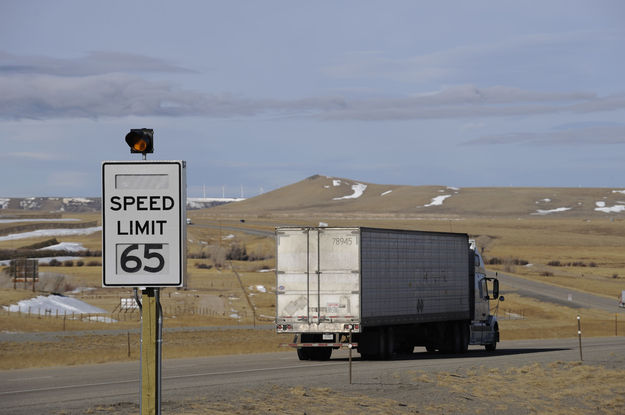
(334, 196)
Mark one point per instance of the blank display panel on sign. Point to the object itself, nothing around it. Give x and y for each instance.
(141, 181)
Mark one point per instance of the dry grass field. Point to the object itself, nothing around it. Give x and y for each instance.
(558, 388)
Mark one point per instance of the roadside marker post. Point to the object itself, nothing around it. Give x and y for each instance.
(579, 335)
(144, 238)
(350, 356)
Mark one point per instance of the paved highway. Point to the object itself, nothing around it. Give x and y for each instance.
(555, 294)
(70, 389)
(242, 228)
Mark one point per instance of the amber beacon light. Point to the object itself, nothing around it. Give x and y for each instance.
(141, 140)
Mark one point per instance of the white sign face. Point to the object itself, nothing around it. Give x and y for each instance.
(143, 223)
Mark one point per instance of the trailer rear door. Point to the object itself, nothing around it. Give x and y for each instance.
(318, 276)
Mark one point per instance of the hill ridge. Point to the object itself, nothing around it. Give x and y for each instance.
(332, 196)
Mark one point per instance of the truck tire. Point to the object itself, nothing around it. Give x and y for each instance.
(448, 338)
(314, 353)
(302, 353)
(465, 331)
(323, 353)
(457, 337)
(492, 346)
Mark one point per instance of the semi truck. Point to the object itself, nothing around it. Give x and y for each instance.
(386, 290)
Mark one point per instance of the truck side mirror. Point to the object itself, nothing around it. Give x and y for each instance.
(495, 289)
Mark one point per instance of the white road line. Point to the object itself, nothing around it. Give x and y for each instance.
(82, 385)
(193, 375)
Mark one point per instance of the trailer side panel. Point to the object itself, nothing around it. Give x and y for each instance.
(413, 277)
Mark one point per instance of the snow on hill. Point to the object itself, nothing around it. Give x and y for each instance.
(325, 195)
(93, 204)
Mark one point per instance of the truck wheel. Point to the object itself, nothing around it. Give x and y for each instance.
(458, 338)
(466, 336)
(448, 340)
(430, 348)
(323, 353)
(492, 346)
(303, 354)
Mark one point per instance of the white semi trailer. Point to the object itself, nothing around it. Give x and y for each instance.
(392, 290)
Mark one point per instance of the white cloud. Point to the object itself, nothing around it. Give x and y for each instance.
(600, 134)
(49, 88)
(94, 63)
(450, 63)
(32, 156)
(68, 179)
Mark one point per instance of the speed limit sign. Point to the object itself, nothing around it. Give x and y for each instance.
(143, 223)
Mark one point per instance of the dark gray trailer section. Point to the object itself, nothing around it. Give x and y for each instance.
(414, 277)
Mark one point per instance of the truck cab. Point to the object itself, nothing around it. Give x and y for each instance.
(484, 326)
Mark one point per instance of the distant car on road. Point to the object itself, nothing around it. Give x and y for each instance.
(189, 221)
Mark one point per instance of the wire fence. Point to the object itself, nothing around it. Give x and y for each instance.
(174, 311)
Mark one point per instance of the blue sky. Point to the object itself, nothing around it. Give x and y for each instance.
(261, 94)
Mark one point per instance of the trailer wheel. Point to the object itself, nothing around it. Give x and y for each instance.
(323, 353)
(303, 354)
(458, 337)
(430, 348)
(466, 336)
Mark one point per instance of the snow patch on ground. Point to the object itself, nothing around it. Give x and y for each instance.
(259, 288)
(51, 232)
(543, 201)
(541, 212)
(613, 191)
(38, 220)
(601, 207)
(358, 189)
(204, 202)
(46, 260)
(4, 203)
(66, 246)
(336, 183)
(385, 193)
(225, 238)
(437, 201)
(29, 203)
(53, 304)
(68, 200)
